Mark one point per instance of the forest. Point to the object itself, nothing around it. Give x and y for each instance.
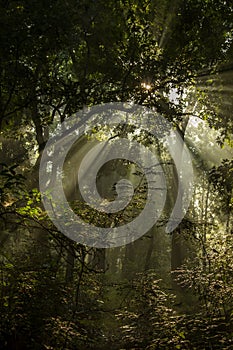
(156, 273)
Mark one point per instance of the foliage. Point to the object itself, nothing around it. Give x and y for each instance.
(40, 311)
(56, 57)
(149, 321)
(211, 279)
(11, 183)
(222, 180)
(152, 318)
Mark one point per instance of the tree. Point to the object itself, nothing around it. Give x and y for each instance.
(55, 58)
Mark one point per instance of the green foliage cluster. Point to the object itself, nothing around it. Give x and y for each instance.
(11, 183)
(153, 319)
(57, 56)
(40, 310)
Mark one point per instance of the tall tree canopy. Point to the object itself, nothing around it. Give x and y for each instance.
(160, 292)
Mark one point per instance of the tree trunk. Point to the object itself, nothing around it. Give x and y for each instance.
(70, 260)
